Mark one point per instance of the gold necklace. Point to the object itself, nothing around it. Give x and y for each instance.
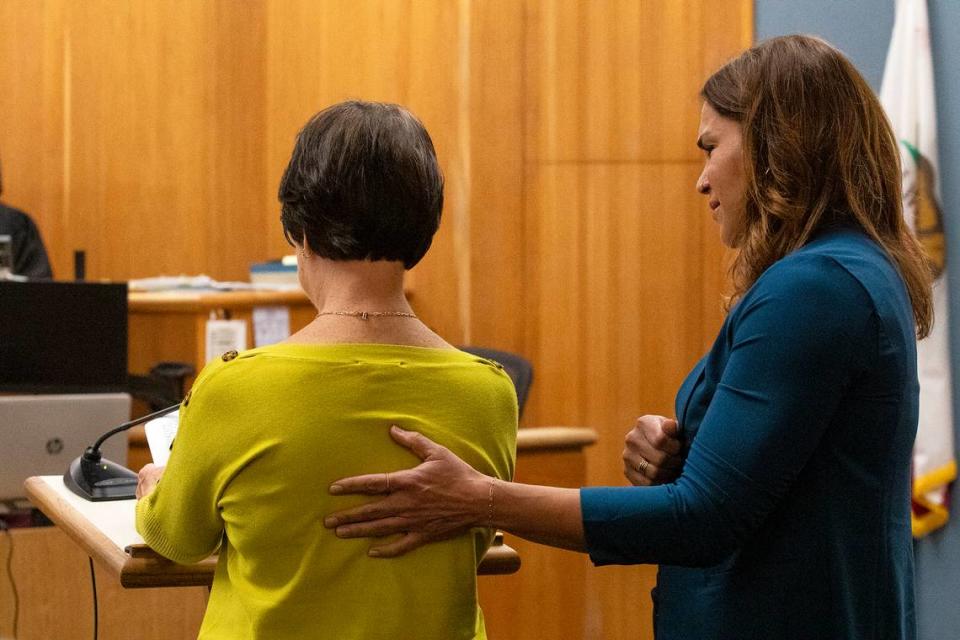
(366, 315)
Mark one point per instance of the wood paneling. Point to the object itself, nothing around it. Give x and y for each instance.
(57, 601)
(135, 133)
(623, 269)
(545, 598)
(618, 294)
(618, 80)
(458, 67)
(154, 136)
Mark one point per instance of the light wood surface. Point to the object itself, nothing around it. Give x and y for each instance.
(549, 439)
(153, 136)
(189, 302)
(545, 599)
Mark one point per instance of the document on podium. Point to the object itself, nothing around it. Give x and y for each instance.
(160, 434)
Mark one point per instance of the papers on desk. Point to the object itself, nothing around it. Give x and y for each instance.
(183, 283)
(160, 435)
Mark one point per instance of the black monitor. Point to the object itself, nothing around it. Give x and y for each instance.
(63, 337)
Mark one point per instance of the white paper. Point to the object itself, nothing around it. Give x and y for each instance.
(225, 335)
(270, 325)
(160, 434)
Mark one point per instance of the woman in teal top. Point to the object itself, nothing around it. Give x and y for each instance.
(261, 430)
(791, 516)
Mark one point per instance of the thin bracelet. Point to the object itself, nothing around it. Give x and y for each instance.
(490, 503)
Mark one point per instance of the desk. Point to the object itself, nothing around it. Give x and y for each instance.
(172, 325)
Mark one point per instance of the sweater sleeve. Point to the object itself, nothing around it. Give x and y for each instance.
(797, 339)
(181, 518)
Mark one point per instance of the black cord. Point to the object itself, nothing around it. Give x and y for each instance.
(13, 584)
(93, 583)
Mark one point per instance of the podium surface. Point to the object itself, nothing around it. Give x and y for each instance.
(107, 533)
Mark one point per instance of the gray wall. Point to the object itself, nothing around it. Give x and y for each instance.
(861, 28)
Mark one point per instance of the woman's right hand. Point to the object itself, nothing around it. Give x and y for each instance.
(654, 452)
(147, 480)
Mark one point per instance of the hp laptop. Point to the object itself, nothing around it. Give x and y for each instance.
(41, 434)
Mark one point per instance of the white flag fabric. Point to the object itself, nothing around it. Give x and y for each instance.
(907, 94)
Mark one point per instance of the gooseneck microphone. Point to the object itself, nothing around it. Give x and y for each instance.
(94, 478)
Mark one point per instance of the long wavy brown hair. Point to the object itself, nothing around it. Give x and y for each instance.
(818, 151)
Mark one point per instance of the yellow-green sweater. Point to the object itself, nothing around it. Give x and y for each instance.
(260, 440)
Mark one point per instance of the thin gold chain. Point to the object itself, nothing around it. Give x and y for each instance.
(366, 315)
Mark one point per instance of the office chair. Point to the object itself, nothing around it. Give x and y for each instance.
(517, 367)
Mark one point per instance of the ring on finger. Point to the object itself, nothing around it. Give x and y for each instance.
(642, 465)
(386, 477)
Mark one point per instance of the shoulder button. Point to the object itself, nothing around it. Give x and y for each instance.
(229, 355)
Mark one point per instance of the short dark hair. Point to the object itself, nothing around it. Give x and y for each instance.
(363, 183)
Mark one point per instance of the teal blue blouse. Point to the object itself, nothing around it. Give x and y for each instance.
(791, 518)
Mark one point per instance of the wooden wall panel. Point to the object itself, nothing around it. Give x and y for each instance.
(57, 601)
(172, 160)
(373, 50)
(31, 135)
(497, 241)
(619, 79)
(624, 269)
(136, 133)
(458, 67)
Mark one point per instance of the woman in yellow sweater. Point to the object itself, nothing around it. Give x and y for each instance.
(262, 432)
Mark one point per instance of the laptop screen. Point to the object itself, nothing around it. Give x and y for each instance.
(63, 337)
(41, 434)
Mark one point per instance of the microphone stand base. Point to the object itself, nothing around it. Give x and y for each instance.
(100, 480)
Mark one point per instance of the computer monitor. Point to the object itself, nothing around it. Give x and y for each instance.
(63, 337)
(41, 434)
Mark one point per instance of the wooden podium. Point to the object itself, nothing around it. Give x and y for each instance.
(105, 530)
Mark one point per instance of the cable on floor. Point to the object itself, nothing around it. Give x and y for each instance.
(93, 584)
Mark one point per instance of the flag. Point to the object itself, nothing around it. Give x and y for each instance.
(907, 94)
